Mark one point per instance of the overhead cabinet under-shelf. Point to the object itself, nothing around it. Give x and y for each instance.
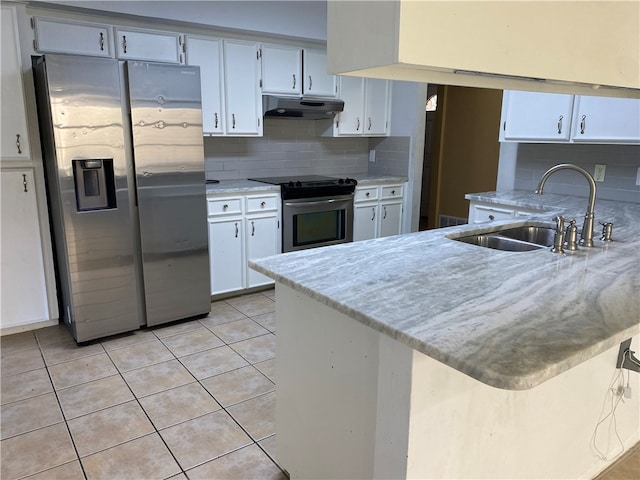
(563, 118)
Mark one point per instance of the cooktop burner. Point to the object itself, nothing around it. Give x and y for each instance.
(308, 186)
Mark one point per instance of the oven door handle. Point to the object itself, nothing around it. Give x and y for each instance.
(309, 204)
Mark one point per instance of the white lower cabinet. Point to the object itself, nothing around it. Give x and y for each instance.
(241, 228)
(489, 212)
(23, 298)
(377, 211)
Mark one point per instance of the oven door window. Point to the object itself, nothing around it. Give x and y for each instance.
(318, 227)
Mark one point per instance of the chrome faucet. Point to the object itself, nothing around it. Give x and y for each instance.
(586, 237)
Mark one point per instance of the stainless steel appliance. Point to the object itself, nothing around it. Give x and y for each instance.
(316, 210)
(124, 163)
(313, 108)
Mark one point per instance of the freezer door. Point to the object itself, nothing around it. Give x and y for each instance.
(166, 124)
(82, 137)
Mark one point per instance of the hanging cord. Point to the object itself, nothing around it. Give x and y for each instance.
(615, 391)
(630, 357)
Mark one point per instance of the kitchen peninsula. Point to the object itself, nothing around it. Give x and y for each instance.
(416, 356)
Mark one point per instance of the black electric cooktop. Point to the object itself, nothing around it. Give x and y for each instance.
(307, 186)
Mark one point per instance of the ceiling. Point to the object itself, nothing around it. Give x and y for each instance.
(295, 18)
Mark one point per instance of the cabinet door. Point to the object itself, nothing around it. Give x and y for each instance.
(149, 46)
(243, 108)
(377, 103)
(23, 296)
(262, 234)
(14, 142)
(390, 218)
(531, 116)
(365, 220)
(281, 70)
(351, 121)
(207, 54)
(65, 36)
(225, 255)
(317, 82)
(605, 119)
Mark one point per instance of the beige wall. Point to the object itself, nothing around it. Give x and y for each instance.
(466, 148)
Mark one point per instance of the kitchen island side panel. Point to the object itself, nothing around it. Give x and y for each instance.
(354, 403)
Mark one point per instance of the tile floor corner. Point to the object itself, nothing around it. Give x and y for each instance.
(191, 400)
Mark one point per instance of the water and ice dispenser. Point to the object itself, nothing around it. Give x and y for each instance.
(95, 186)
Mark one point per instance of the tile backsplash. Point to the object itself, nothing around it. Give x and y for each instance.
(296, 147)
(622, 162)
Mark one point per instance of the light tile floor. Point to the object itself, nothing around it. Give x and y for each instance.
(192, 400)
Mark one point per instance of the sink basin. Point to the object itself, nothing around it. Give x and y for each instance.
(518, 239)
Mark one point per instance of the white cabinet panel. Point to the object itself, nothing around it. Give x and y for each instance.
(67, 36)
(377, 211)
(376, 107)
(226, 255)
(604, 119)
(483, 214)
(262, 234)
(536, 116)
(365, 218)
(317, 82)
(281, 70)
(390, 218)
(149, 45)
(243, 108)
(366, 107)
(23, 296)
(207, 54)
(14, 142)
(350, 121)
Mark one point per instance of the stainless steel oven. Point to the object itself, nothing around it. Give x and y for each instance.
(316, 222)
(316, 211)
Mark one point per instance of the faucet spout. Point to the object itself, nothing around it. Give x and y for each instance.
(586, 237)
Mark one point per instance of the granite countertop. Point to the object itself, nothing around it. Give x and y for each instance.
(509, 319)
(240, 186)
(378, 179)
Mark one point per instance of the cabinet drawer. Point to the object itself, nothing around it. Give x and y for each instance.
(365, 194)
(262, 203)
(489, 214)
(391, 191)
(224, 206)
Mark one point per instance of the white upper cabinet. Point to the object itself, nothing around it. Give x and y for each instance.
(532, 116)
(366, 107)
(67, 36)
(206, 53)
(149, 45)
(281, 70)
(551, 118)
(243, 107)
(605, 119)
(316, 80)
(14, 143)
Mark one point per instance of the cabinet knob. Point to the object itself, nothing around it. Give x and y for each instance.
(491, 217)
(263, 204)
(18, 146)
(368, 194)
(225, 207)
(393, 192)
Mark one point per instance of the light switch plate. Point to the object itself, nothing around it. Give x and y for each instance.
(598, 174)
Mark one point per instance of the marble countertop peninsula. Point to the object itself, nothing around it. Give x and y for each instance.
(509, 319)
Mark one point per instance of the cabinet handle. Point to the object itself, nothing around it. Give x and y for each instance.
(225, 207)
(491, 217)
(369, 123)
(263, 204)
(253, 229)
(124, 43)
(358, 124)
(233, 120)
(294, 81)
(215, 120)
(310, 82)
(504, 126)
(373, 214)
(560, 124)
(236, 224)
(101, 41)
(583, 124)
(24, 182)
(18, 146)
(385, 212)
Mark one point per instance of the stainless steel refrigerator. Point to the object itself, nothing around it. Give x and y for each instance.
(124, 164)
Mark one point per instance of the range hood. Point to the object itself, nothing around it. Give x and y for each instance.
(580, 47)
(313, 108)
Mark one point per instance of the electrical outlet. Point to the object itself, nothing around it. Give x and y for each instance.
(598, 174)
(372, 156)
(638, 176)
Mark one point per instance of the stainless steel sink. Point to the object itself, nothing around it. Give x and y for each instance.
(518, 239)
